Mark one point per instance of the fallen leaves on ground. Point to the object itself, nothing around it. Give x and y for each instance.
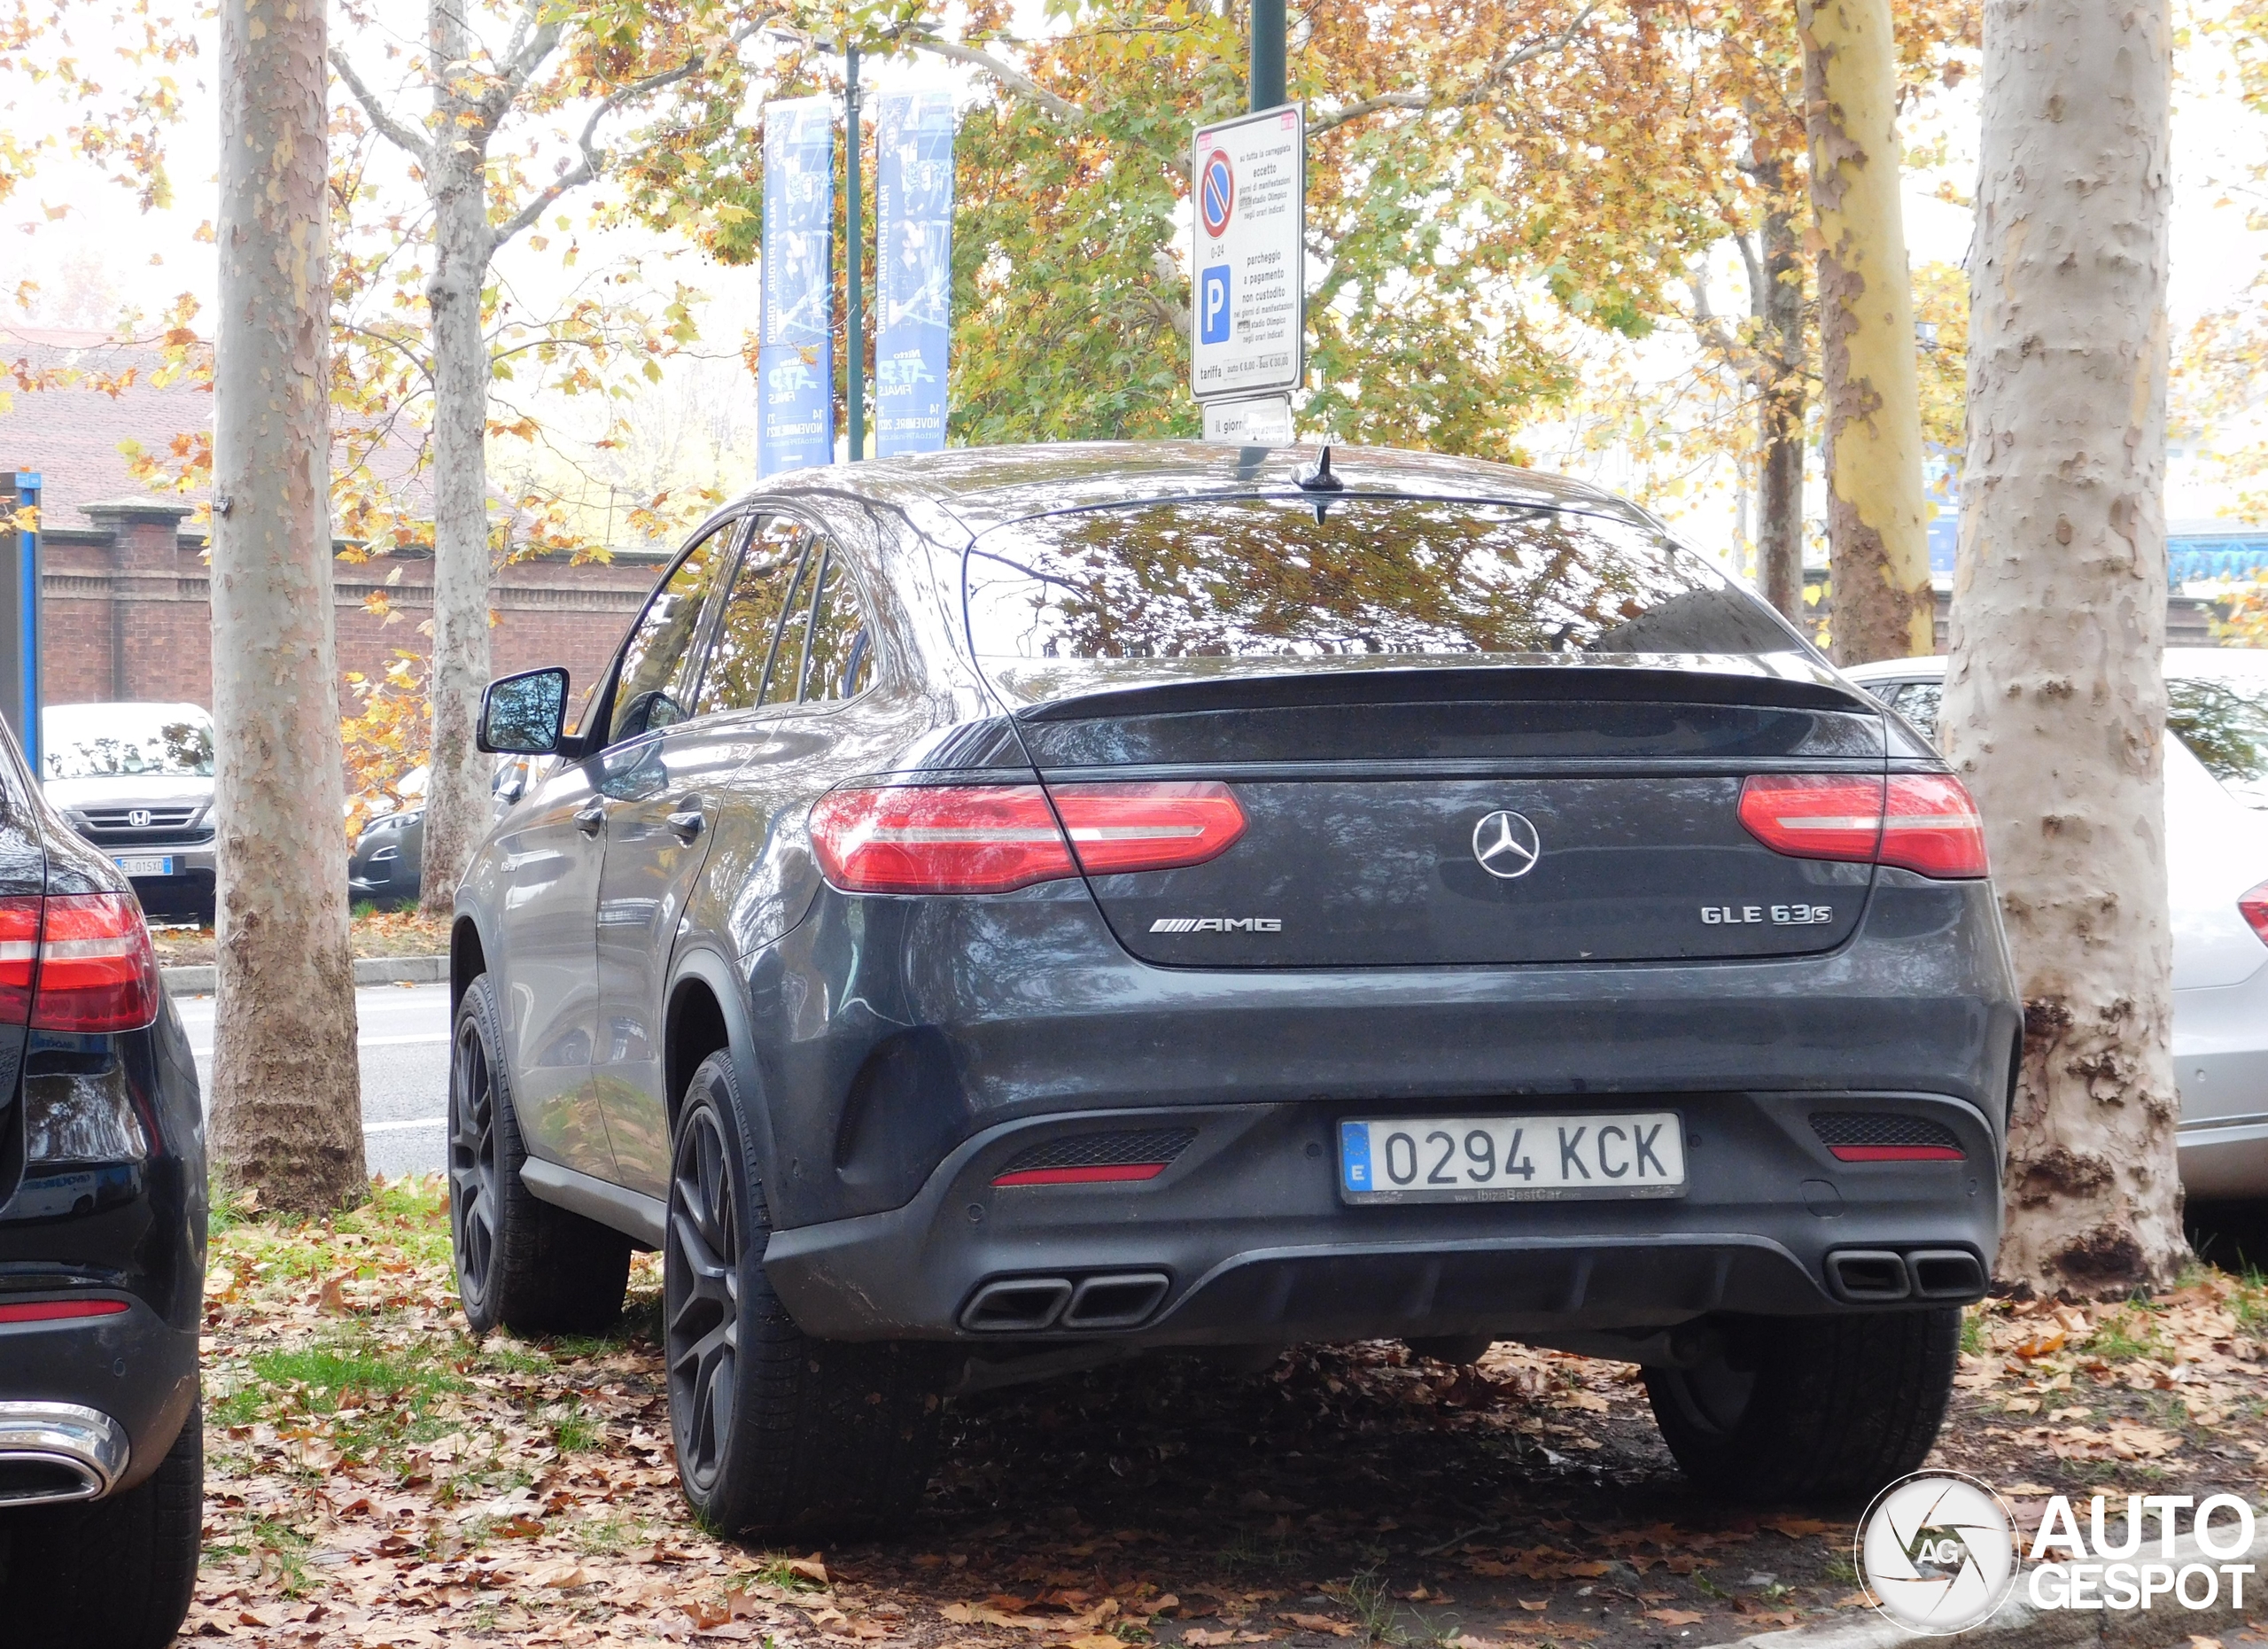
(377, 1477)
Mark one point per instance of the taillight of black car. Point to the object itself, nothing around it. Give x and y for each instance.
(1920, 821)
(995, 838)
(77, 963)
(77, 967)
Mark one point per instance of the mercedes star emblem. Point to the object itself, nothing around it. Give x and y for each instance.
(1506, 845)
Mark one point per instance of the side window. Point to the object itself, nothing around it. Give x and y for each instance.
(839, 660)
(754, 631)
(1918, 701)
(651, 691)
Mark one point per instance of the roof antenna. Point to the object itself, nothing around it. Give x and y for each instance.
(1320, 478)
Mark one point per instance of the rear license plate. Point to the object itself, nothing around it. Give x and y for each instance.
(146, 865)
(1512, 1159)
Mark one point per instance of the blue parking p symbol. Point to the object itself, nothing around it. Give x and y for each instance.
(1213, 305)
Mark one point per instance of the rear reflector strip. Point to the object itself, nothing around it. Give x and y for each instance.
(1099, 1174)
(59, 1311)
(1897, 1153)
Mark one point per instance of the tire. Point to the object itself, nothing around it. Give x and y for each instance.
(520, 1261)
(1823, 1409)
(777, 1434)
(117, 1572)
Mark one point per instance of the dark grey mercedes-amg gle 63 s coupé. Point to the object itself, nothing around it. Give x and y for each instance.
(1006, 910)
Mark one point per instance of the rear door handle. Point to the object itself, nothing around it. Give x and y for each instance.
(590, 819)
(687, 823)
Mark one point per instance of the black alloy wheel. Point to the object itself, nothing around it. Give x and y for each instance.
(776, 1432)
(701, 1285)
(521, 1262)
(472, 1160)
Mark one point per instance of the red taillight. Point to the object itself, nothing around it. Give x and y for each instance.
(1930, 825)
(939, 839)
(1922, 821)
(19, 957)
(991, 838)
(96, 969)
(59, 1311)
(2253, 907)
(1835, 816)
(1147, 826)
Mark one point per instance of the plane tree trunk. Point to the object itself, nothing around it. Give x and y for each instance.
(1778, 306)
(456, 788)
(1877, 548)
(2054, 704)
(287, 1110)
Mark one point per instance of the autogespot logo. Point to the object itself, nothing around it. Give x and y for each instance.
(1938, 1552)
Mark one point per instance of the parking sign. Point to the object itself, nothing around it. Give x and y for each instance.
(1250, 221)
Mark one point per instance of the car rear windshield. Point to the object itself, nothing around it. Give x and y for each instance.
(1257, 578)
(100, 747)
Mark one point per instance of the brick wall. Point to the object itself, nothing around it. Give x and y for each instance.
(127, 609)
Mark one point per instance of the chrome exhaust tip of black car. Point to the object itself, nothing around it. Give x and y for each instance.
(1029, 1305)
(51, 1452)
(1879, 1276)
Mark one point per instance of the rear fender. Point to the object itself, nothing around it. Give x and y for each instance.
(730, 987)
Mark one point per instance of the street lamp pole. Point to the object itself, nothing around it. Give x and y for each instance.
(855, 339)
(1266, 82)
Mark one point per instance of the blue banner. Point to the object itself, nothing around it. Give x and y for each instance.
(913, 160)
(795, 346)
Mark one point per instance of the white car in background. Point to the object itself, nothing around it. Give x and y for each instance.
(2216, 881)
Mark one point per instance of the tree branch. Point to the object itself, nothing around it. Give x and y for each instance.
(394, 132)
(524, 54)
(1477, 92)
(1010, 78)
(594, 160)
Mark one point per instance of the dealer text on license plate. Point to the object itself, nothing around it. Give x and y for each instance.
(1501, 1159)
(146, 866)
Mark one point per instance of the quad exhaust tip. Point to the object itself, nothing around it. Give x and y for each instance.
(1881, 1276)
(1030, 1305)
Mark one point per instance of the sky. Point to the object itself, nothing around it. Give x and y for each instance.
(91, 254)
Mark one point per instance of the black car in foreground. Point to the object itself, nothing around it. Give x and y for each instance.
(102, 1251)
(1006, 911)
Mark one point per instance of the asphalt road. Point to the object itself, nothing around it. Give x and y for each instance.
(404, 1044)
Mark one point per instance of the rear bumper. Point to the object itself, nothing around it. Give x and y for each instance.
(1246, 1229)
(132, 1371)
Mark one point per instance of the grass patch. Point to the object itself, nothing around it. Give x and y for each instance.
(364, 1397)
(574, 1431)
(1972, 1331)
(2124, 1334)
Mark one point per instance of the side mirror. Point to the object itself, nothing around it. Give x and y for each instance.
(524, 714)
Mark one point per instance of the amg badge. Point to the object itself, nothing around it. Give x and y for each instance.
(1217, 924)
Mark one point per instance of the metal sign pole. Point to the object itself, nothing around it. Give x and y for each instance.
(19, 699)
(854, 367)
(1265, 82)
